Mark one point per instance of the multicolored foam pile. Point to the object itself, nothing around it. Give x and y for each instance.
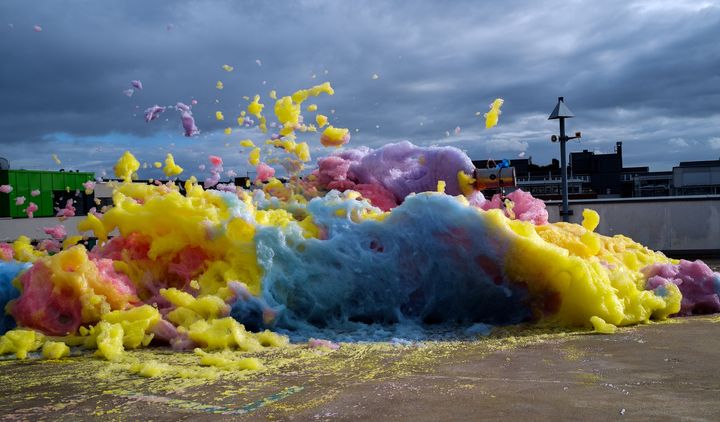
(371, 242)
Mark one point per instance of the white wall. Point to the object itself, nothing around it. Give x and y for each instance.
(12, 228)
(673, 223)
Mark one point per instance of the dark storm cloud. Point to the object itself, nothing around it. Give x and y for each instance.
(644, 72)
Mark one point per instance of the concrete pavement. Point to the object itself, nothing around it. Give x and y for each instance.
(663, 371)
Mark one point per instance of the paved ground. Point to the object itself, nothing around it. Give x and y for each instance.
(663, 371)
(659, 371)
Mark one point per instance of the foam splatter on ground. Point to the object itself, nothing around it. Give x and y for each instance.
(187, 386)
(388, 244)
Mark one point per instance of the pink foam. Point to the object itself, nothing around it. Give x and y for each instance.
(68, 211)
(528, 208)
(6, 252)
(215, 160)
(378, 196)
(320, 343)
(31, 209)
(89, 186)
(57, 232)
(50, 245)
(188, 263)
(331, 169)
(264, 172)
(42, 307)
(699, 285)
(525, 207)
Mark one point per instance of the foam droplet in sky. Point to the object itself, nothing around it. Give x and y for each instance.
(258, 62)
(375, 76)
(491, 117)
(37, 28)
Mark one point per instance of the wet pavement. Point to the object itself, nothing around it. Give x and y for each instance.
(658, 371)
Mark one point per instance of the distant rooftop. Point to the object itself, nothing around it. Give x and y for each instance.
(706, 163)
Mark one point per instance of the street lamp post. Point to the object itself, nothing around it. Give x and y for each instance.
(562, 112)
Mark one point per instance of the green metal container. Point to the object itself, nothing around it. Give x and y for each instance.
(26, 181)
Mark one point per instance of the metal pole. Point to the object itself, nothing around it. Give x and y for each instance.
(563, 172)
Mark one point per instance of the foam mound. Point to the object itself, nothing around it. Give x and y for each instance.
(372, 244)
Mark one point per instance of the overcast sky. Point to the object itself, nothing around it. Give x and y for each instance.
(646, 73)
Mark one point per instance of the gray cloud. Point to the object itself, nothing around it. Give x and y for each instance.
(644, 72)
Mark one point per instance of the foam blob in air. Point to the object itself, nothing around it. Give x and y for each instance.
(153, 112)
(491, 117)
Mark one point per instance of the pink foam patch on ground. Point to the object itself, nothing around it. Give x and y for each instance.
(315, 343)
(699, 285)
(6, 188)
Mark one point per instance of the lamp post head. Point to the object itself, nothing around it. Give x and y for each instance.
(561, 111)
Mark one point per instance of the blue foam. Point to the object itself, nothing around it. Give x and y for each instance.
(8, 271)
(425, 265)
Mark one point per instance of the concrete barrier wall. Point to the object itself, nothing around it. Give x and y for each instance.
(686, 224)
(12, 228)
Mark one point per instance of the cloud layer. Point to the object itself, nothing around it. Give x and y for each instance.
(642, 72)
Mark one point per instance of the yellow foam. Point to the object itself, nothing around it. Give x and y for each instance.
(171, 169)
(126, 166)
(55, 350)
(20, 342)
